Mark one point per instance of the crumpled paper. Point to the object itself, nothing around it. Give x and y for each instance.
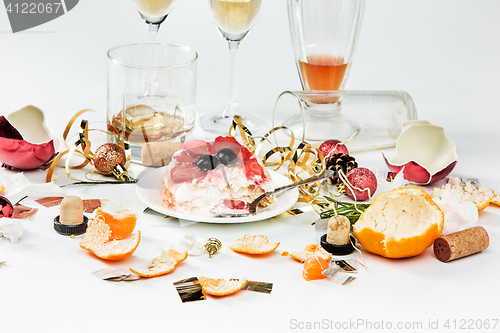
(457, 216)
(190, 244)
(398, 181)
(17, 186)
(11, 229)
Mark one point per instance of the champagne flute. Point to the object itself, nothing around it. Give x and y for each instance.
(154, 12)
(234, 18)
(324, 37)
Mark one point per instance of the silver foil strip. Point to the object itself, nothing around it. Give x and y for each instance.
(346, 266)
(348, 280)
(260, 287)
(115, 275)
(189, 290)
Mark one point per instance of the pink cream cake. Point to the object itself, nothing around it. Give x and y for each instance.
(194, 180)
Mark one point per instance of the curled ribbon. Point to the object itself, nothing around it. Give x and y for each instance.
(83, 141)
(303, 159)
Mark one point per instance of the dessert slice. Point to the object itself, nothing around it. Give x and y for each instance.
(203, 174)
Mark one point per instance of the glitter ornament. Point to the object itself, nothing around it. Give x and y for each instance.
(362, 182)
(108, 156)
(330, 147)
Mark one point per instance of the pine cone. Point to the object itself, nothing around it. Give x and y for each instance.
(340, 162)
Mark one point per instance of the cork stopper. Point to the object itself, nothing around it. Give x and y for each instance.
(71, 212)
(159, 153)
(339, 230)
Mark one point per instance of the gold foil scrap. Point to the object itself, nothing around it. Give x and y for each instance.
(260, 287)
(189, 290)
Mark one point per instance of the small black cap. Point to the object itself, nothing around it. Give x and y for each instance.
(68, 230)
(339, 250)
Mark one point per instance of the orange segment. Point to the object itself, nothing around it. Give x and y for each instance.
(313, 268)
(400, 223)
(121, 224)
(1, 188)
(97, 240)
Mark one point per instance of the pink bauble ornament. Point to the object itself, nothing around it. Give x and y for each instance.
(363, 182)
(330, 147)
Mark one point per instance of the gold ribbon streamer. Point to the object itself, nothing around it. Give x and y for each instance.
(85, 144)
(303, 159)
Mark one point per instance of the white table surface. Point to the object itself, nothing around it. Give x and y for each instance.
(445, 54)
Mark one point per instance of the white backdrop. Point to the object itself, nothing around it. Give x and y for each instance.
(445, 54)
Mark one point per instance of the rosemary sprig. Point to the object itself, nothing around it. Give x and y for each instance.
(350, 210)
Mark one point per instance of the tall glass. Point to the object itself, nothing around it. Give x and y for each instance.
(154, 12)
(324, 37)
(234, 18)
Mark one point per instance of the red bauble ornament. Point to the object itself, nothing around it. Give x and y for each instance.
(6, 208)
(361, 180)
(330, 147)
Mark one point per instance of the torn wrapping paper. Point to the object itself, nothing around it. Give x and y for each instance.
(457, 216)
(18, 186)
(11, 229)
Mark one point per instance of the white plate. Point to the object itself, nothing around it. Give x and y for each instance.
(148, 190)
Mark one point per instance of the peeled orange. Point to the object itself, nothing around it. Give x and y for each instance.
(254, 244)
(163, 264)
(221, 287)
(98, 241)
(400, 223)
(121, 224)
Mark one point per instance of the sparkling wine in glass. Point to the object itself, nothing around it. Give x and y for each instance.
(324, 37)
(154, 12)
(234, 19)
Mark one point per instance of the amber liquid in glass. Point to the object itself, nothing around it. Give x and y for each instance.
(323, 72)
(145, 124)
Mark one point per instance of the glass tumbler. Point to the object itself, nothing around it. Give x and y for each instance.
(151, 93)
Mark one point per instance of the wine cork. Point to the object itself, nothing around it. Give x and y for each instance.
(461, 244)
(159, 153)
(71, 212)
(339, 230)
